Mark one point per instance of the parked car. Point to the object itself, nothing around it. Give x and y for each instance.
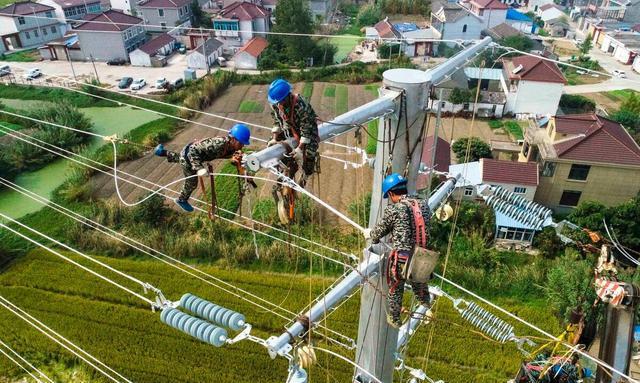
(125, 82)
(138, 84)
(182, 49)
(619, 73)
(32, 73)
(177, 84)
(222, 61)
(5, 70)
(117, 62)
(161, 83)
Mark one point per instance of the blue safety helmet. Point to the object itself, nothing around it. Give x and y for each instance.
(241, 133)
(392, 181)
(278, 91)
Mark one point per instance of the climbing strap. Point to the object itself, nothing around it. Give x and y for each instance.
(418, 221)
(290, 120)
(213, 209)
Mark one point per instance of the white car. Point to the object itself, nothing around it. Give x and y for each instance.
(161, 83)
(32, 73)
(619, 73)
(138, 84)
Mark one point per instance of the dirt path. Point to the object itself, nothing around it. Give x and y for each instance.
(339, 186)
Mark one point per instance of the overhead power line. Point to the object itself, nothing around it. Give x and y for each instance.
(62, 341)
(390, 39)
(23, 360)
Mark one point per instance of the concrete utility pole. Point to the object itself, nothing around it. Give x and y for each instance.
(377, 341)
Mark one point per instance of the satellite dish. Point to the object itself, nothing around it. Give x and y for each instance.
(444, 212)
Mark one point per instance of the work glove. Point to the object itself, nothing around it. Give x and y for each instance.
(367, 234)
(202, 172)
(272, 142)
(298, 156)
(237, 157)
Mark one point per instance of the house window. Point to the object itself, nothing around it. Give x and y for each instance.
(570, 198)
(54, 30)
(519, 190)
(35, 33)
(44, 31)
(161, 12)
(49, 15)
(579, 172)
(548, 169)
(21, 20)
(465, 106)
(27, 35)
(163, 25)
(468, 191)
(464, 28)
(179, 11)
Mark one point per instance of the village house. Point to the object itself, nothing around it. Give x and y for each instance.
(467, 19)
(162, 15)
(114, 36)
(520, 21)
(582, 157)
(417, 41)
(557, 27)
(240, 22)
(155, 52)
(247, 56)
(20, 29)
(624, 46)
(205, 55)
(68, 11)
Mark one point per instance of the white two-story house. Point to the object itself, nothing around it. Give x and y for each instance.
(26, 24)
(467, 19)
(533, 85)
(162, 15)
(240, 22)
(68, 11)
(112, 35)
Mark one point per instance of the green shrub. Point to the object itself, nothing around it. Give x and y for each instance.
(495, 124)
(577, 102)
(477, 149)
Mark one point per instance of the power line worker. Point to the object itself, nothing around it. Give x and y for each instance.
(399, 220)
(195, 154)
(294, 117)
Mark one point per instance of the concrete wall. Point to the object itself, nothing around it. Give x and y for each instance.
(522, 26)
(636, 64)
(609, 185)
(42, 38)
(140, 58)
(449, 107)
(195, 59)
(126, 6)
(533, 97)
(632, 13)
(8, 25)
(453, 31)
(243, 60)
(171, 17)
(493, 17)
(106, 46)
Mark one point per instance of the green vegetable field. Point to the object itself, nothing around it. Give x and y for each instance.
(122, 332)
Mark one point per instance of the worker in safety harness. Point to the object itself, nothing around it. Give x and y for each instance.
(294, 117)
(195, 154)
(399, 220)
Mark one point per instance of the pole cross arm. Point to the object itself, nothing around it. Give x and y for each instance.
(268, 157)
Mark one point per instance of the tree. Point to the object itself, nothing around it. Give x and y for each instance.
(460, 96)
(368, 15)
(632, 103)
(478, 149)
(294, 16)
(519, 42)
(387, 50)
(200, 19)
(578, 102)
(548, 243)
(586, 45)
(627, 118)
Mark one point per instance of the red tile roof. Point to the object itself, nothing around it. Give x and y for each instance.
(109, 21)
(490, 4)
(25, 8)
(164, 3)
(509, 172)
(443, 159)
(243, 10)
(534, 69)
(254, 47)
(151, 48)
(385, 29)
(598, 140)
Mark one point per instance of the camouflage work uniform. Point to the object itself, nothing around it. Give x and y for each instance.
(300, 123)
(193, 157)
(398, 220)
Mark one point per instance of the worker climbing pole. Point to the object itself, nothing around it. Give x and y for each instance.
(194, 156)
(293, 117)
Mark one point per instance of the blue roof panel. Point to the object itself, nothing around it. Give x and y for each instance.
(405, 27)
(512, 14)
